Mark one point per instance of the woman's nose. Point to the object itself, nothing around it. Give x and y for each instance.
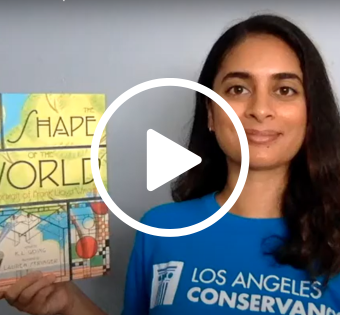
(260, 108)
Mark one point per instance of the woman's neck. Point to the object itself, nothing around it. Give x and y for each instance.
(261, 195)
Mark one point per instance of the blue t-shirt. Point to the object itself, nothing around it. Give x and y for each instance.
(223, 269)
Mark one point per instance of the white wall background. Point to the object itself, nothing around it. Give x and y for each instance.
(106, 47)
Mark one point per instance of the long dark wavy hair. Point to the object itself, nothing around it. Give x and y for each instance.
(311, 200)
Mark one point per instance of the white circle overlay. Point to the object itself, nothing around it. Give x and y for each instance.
(162, 83)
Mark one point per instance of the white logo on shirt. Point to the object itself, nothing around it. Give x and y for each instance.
(165, 281)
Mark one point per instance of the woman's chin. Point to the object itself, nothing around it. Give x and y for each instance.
(264, 164)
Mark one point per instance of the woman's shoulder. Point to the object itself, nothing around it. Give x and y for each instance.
(177, 214)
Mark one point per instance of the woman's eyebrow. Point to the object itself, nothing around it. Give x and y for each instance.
(286, 75)
(237, 74)
(246, 76)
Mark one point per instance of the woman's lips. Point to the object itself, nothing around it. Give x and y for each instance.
(263, 137)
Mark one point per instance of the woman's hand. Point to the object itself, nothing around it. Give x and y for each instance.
(39, 295)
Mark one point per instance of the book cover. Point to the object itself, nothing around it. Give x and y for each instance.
(51, 217)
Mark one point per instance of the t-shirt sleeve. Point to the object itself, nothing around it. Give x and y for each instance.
(136, 300)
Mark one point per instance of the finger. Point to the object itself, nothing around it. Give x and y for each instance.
(14, 291)
(27, 295)
(2, 295)
(39, 302)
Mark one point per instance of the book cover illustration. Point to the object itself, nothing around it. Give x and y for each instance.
(51, 217)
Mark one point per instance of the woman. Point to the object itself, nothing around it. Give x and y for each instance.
(278, 249)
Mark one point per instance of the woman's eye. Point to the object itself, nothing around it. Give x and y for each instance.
(286, 91)
(237, 90)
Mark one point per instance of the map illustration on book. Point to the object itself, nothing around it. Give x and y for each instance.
(52, 218)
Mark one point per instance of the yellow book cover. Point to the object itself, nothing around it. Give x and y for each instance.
(51, 217)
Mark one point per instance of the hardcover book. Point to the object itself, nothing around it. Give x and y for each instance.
(52, 218)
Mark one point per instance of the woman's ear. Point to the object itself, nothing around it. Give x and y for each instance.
(210, 116)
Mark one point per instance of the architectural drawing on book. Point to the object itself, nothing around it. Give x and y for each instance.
(51, 217)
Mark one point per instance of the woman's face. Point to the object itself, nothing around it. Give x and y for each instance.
(261, 80)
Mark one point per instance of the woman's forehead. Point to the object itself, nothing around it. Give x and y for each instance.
(261, 55)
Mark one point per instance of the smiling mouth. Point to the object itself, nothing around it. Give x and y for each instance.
(262, 137)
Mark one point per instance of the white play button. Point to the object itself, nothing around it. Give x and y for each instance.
(166, 160)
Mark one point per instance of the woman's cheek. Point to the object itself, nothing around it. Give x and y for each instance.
(227, 138)
(295, 121)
